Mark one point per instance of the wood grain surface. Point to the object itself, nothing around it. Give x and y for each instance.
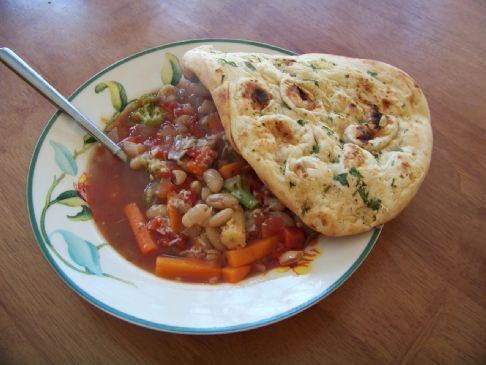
(419, 298)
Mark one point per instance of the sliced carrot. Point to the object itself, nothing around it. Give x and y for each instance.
(137, 224)
(175, 218)
(186, 269)
(235, 274)
(231, 169)
(254, 251)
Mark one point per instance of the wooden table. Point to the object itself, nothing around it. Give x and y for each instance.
(419, 298)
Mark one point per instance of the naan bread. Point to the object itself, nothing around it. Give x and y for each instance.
(344, 143)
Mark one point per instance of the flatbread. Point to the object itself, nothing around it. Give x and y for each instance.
(344, 143)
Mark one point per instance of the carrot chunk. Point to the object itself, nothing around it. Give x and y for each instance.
(255, 250)
(137, 224)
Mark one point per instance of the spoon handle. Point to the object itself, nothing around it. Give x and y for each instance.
(40, 84)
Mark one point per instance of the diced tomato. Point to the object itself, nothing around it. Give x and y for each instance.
(169, 107)
(293, 238)
(201, 159)
(161, 152)
(164, 189)
(272, 226)
(250, 179)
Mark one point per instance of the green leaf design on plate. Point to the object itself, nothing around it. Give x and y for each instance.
(171, 70)
(63, 159)
(117, 92)
(82, 252)
(84, 215)
(70, 198)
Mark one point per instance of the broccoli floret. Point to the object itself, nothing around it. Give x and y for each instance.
(238, 189)
(148, 112)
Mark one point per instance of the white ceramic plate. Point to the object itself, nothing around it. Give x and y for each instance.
(71, 242)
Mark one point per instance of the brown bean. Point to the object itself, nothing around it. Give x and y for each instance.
(220, 218)
(287, 220)
(213, 180)
(206, 107)
(290, 257)
(274, 204)
(198, 214)
(184, 120)
(222, 200)
(199, 89)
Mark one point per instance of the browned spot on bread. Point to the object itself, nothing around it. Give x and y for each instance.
(355, 155)
(365, 84)
(363, 133)
(281, 130)
(323, 218)
(386, 103)
(300, 96)
(411, 99)
(260, 98)
(375, 117)
(300, 170)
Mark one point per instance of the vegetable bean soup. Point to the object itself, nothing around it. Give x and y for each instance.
(187, 207)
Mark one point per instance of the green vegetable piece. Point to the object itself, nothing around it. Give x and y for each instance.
(171, 70)
(342, 179)
(315, 148)
(117, 93)
(301, 122)
(148, 113)
(238, 189)
(372, 73)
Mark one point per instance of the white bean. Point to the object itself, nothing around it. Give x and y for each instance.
(205, 193)
(221, 217)
(198, 214)
(290, 257)
(221, 200)
(167, 94)
(138, 162)
(213, 235)
(179, 176)
(133, 149)
(156, 210)
(195, 187)
(213, 180)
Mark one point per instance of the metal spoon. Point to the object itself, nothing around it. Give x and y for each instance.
(32, 77)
